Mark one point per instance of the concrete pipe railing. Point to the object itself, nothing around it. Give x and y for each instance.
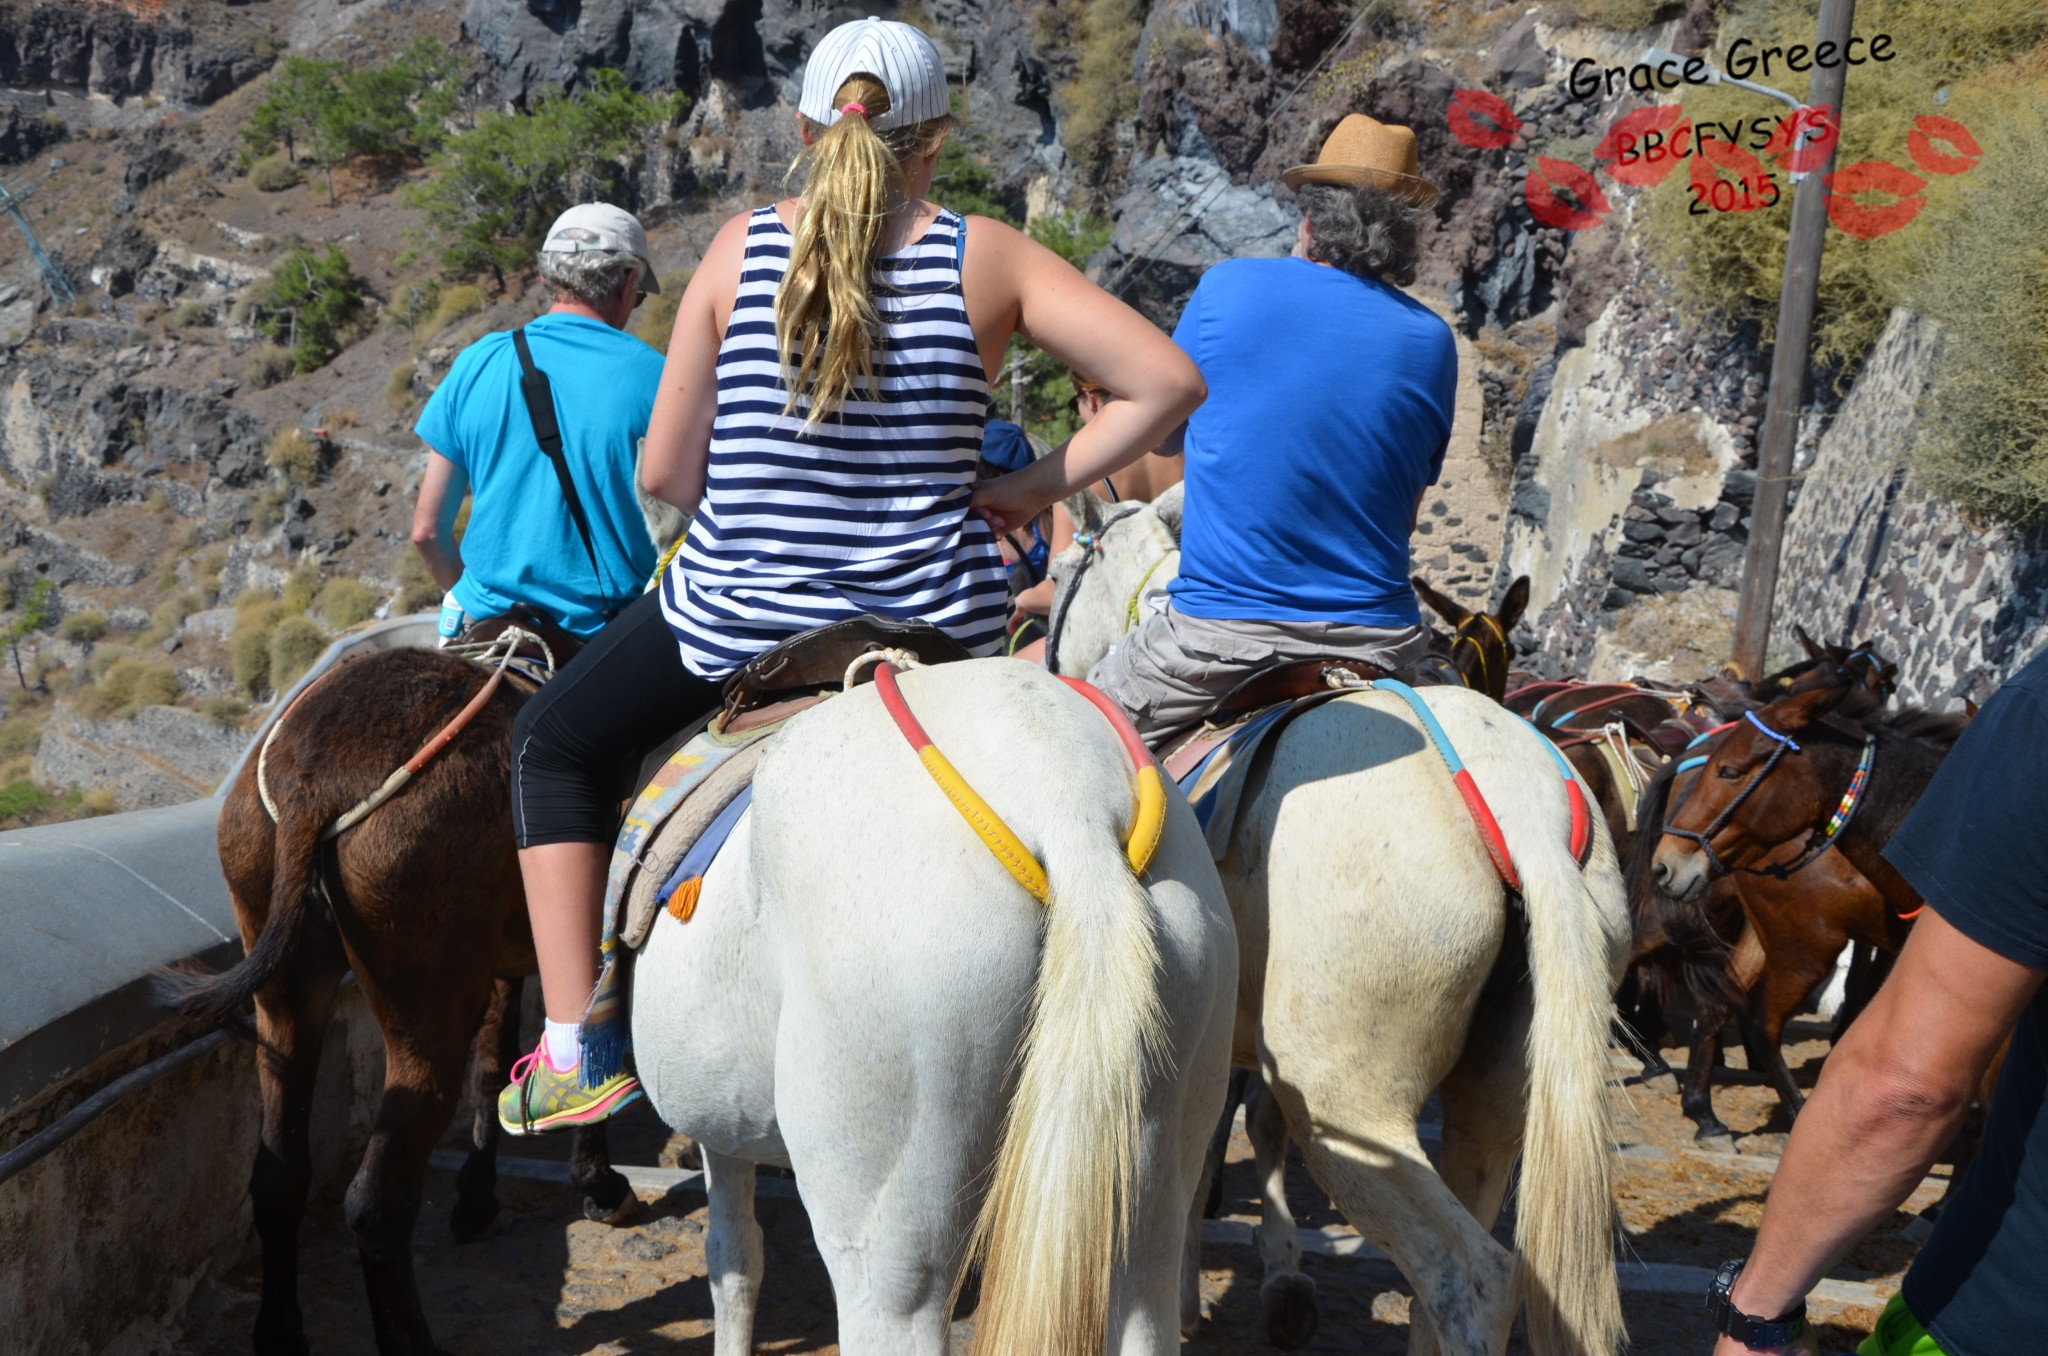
(126, 1135)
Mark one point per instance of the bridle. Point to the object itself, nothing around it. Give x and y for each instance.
(1460, 636)
(1062, 603)
(1821, 838)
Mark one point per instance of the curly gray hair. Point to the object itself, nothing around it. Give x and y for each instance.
(588, 276)
(1362, 231)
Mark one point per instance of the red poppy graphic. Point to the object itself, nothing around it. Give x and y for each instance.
(1751, 188)
(1643, 147)
(1927, 130)
(1552, 177)
(1882, 180)
(1482, 121)
(1803, 142)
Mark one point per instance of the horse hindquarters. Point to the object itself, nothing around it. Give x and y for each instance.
(915, 969)
(1381, 927)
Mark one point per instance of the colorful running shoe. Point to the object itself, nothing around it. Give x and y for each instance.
(539, 1099)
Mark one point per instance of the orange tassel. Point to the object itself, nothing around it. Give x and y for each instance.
(683, 902)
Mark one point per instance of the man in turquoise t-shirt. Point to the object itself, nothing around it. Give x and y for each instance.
(522, 545)
(1330, 402)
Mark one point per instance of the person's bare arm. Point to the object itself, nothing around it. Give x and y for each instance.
(433, 518)
(1009, 274)
(1889, 1100)
(678, 449)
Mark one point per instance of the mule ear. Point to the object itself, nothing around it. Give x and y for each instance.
(1802, 709)
(1087, 510)
(1168, 506)
(1814, 649)
(1442, 606)
(1513, 603)
(1969, 708)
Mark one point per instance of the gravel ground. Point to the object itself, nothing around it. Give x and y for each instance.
(548, 1282)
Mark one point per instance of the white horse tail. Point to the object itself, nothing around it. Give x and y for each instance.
(1564, 1224)
(1060, 1207)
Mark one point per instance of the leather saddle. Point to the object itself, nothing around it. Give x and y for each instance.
(816, 661)
(1284, 683)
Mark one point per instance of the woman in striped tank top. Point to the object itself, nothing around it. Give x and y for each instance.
(820, 415)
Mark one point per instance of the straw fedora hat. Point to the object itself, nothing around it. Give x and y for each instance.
(1365, 152)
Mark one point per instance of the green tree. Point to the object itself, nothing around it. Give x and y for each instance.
(311, 305)
(397, 110)
(31, 614)
(495, 187)
(296, 95)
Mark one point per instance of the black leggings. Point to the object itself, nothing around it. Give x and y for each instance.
(578, 744)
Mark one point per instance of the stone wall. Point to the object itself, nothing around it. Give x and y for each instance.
(107, 1241)
(1870, 555)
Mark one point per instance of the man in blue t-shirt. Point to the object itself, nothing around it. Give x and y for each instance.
(1329, 409)
(523, 544)
(1895, 1090)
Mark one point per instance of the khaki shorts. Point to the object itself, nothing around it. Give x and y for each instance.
(1173, 668)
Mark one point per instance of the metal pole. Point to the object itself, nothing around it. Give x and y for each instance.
(1780, 430)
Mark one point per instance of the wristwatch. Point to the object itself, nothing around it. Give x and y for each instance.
(1758, 1334)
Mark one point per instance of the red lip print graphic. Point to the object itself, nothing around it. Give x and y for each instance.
(1481, 120)
(1643, 147)
(1928, 129)
(1809, 153)
(1881, 178)
(1552, 176)
(1752, 187)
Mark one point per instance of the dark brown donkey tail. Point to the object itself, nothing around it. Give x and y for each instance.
(297, 903)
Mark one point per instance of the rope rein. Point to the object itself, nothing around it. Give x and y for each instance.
(495, 654)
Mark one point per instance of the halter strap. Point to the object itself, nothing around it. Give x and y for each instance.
(1063, 601)
(1786, 740)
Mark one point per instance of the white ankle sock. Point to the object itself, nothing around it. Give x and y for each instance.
(564, 1043)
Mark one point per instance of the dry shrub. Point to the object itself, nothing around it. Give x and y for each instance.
(85, 626)
(348, 416)
(657, 318)
(299, 455)
(459, 302)
(268, 366)
(1984, 443)
(256, 617)
(127, 686)
(275, 174)
(1104, 90)
(226, 712)
(417, 591)
(398, 386)
(1733, 264)
(1626, 14)
(345, 603)
(19, 735)
(294, 645)
(302, 586)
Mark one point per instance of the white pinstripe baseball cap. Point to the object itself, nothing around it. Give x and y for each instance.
(896, 54)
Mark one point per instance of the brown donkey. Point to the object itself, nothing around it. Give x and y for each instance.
(422, 901)
(1802, 892)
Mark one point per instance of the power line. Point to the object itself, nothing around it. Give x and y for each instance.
(53, 276)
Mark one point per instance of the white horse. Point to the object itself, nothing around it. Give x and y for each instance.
(866, 995)
(1381, 959)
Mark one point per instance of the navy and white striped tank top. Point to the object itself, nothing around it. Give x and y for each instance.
(866, 513)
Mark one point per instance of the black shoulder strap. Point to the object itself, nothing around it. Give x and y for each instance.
(540, 408)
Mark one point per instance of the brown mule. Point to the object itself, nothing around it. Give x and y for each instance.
(1479, 640)
(422, 902)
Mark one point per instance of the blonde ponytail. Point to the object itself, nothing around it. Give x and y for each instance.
(826, 325)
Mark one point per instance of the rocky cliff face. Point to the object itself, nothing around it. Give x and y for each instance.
(109, 50)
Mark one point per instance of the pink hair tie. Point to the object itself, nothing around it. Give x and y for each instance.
(851, 107)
